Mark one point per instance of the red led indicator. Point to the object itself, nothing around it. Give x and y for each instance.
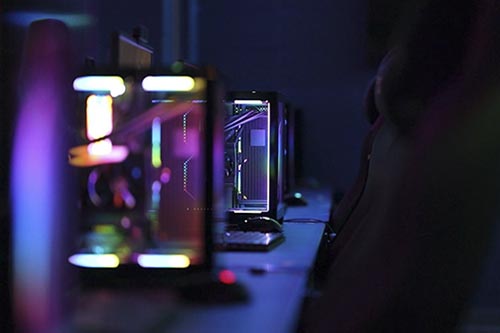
(227, 277)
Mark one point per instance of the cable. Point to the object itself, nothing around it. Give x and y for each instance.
(331, 234)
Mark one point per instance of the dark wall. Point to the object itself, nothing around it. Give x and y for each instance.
(131, 14)
(320, 54)
(313, 52)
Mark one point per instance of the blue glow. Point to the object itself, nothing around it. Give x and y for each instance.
(34, 213)
(155, 194)
(37, 188)
(25, 18)
(136, 173)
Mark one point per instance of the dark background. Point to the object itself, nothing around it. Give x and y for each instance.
(320, 54)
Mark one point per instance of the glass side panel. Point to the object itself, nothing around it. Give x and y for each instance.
(143, 183)
(247, 137)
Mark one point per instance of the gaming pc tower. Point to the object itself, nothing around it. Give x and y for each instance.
(150, 165)
(254, 155)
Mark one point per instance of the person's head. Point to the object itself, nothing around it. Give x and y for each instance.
(428, 56)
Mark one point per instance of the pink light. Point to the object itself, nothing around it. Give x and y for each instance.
(227, 277)
(165, 176)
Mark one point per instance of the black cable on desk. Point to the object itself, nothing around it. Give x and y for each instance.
(330, 233)
(299, 219)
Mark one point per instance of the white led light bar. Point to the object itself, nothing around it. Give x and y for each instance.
(168, 83)
(112, 84)
(163, 261)
(249, 102)
(93, 260)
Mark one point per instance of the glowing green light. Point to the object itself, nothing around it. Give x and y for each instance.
(156, 143)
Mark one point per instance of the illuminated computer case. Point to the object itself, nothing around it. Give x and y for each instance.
(255, 137)
(149, 164)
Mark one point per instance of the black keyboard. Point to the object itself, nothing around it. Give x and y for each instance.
(237, 240)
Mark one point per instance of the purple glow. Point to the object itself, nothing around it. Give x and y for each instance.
(128, 198)
(165, 176)
(91, 182)
(125, 222)
(39, 196)
(156, 187)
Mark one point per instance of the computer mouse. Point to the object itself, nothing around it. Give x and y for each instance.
(261, 224)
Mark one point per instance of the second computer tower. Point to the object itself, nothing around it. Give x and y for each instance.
(254, 155)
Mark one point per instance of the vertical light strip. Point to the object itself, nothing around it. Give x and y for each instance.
(238, 185)
(39, 190)
(99, 116)
(155, 195)
(23, 18)
(34, 210)
(184, 127)
(268, 145)
(156, 143)
(153, 213)
(185, 174)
